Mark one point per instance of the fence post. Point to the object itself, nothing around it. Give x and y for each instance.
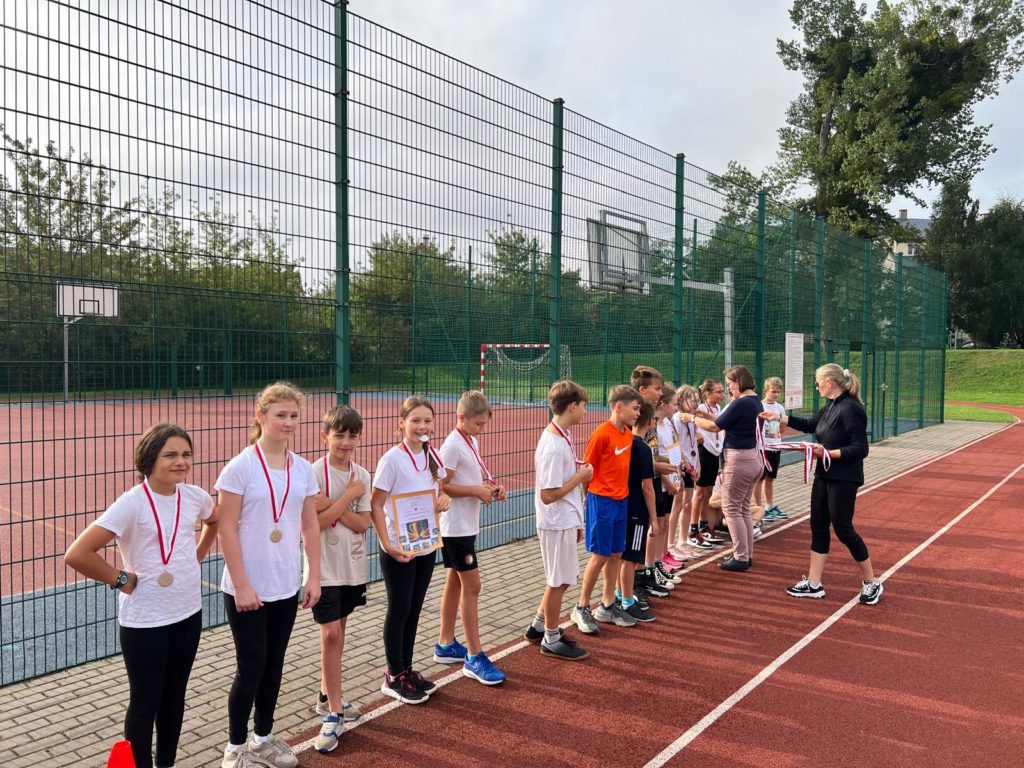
(469, 318)
(342, 307)
(677, 272)
(554, 304)
(691, 345)
(945, 344)
(533, 291)
(412, 322)
(924, 344)
(819, 290)
(867, 346)
(791, 314)
(287, 353)
(174, 369)
(898, 344)
(759, 297)
(229, 354)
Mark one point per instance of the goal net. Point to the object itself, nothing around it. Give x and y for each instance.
(520, 373)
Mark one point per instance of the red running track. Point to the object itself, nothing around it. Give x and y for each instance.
(931, 675)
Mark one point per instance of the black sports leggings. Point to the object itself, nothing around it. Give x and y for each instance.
(261, 639)
(832, 501)
(406, 585)
(159, 662)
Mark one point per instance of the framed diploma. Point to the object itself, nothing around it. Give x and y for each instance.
(675, 455)
(415, 522)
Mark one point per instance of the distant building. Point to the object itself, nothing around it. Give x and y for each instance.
(910, 247)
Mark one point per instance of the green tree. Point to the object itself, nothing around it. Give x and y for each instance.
(888, 100)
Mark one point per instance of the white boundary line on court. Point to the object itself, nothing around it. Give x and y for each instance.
(707, 560)
(714, 715)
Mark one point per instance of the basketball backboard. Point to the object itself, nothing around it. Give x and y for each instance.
(618, 249)
(86, 300)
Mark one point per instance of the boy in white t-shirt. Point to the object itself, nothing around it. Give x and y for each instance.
(469, 484)
(343, 514)
(558, 501)
(764, 489)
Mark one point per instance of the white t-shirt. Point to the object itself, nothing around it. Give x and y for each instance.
(463, 518)
(395, 474)
(687, 440)
(666, 435)
(554, 466)
(343, 562)
(772, 430)
(273, 569)
(130, 519)
(713, 441)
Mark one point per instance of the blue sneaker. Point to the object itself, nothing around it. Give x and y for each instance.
(452, 654)
(779, 514)
(482, 670)
(769, 515)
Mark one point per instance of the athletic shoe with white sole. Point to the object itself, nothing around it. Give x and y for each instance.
(349, 711)
(402, 688)
(804, 588)
(243, 758)
(453, 653)
(613, 615)
(583, 618)
(871, 592)
(565, 648)
(274, 752)
(779, 514)
(330, 731)
(673, 578)
(481, 669)
(697, 541)
(640, 614)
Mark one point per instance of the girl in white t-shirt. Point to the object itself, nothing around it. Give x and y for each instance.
(764, 489)
(267, 501)
(160, 600)
(411, 467)
(689, 469)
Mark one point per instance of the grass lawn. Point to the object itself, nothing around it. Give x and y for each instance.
(966, 413)
(992, 376)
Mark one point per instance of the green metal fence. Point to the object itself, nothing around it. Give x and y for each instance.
(194, 205)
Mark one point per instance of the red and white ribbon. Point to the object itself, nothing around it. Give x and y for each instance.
(572, 448)
(479, 459)
(427, 449)
(807, 448)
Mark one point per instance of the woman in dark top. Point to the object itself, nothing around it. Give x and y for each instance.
(743, 467)
(841, 429)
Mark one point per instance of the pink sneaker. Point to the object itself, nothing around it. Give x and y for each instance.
(670, 562)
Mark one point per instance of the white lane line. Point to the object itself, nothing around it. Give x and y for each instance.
(706, 560)
(709, 719)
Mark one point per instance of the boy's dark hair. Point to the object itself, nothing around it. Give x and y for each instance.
(645, 376)
(646, 414)
(742, 376)
(623, 393)
(563, 394)
(342, 418)
(152, 442)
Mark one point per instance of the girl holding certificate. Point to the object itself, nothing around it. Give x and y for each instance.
(267, 501)
(160, 600)
(405, 492)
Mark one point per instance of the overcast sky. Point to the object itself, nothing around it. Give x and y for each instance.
(686, 76)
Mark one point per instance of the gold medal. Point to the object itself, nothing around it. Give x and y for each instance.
(276, 535)
(165, 579)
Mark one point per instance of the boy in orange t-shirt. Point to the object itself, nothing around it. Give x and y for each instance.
(608, 453)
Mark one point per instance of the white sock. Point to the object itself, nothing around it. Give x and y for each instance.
(552, 636)
(538, 623)
(260, 739)
(234, 748)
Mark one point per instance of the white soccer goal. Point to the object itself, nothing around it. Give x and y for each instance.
(520, 373)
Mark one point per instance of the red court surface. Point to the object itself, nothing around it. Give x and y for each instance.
(735, 672)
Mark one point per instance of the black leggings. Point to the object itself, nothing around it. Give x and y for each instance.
(406, 585)
(832, 501)
(159, 662)
(261, 639)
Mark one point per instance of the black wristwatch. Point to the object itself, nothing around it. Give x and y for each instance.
(122, 579)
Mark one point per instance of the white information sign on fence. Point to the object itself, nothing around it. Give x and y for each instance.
(794, 370)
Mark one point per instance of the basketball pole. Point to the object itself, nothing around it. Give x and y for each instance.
(67, 324)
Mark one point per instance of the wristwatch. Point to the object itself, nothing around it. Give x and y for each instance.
(122, 579)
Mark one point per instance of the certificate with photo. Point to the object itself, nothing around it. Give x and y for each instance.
(675, 455)
(415, 522)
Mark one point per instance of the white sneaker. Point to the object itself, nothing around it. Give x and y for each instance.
(330, 731)
(274, 752)
(243, 758)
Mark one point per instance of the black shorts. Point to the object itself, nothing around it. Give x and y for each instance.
(459, 552)
(336, 603)
(687, 480)
(709, 464)
(772, 471)
(636, 539)
(664, 505)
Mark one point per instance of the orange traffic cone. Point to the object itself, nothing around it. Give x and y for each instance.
(121, 756)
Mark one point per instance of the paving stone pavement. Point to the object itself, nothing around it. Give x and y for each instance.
(71, 718)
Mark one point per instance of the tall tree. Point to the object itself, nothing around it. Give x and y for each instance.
(888, 99)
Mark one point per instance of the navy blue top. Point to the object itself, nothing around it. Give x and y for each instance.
(641, 467)
(739, 421)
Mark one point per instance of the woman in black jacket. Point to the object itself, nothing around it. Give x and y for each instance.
(841, 429)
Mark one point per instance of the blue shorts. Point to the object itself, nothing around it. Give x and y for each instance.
(606, 524)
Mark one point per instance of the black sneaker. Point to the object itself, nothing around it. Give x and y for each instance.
(420, 681)
(533, 635)
(565, 648)
(732, 564)
(871, 592)
(803, 588)
(639, 613)
(646, 583)
(402, 688)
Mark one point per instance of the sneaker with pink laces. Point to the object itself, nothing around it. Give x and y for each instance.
(670, 562)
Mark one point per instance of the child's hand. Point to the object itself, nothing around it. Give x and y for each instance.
(485, 493)
(310, 594)
(399, 555)
(444, 503)
(579, 535)
(700, 439)
(769, 416)
(321, 502)
(655, 527)
(358, 487)
(585, 473)
(499, 492)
